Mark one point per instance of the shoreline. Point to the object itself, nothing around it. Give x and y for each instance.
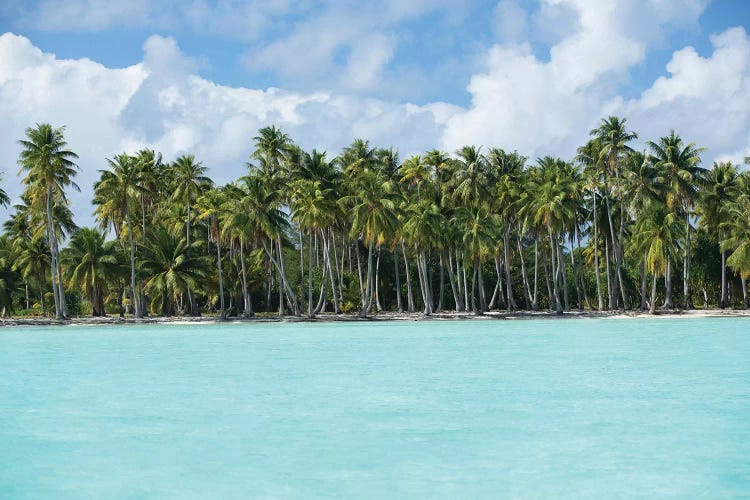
(382, 316)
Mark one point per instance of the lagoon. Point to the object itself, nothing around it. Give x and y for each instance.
(493, 408)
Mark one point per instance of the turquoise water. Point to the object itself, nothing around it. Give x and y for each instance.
(579, 408)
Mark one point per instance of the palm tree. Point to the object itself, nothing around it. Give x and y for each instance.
(190, 182)
(49, 167)
(721, 189)
(657, 234)
(613, 138)
(4, 200)
(171, 270)
(375, 207)
(115, 194)
(91, 263)
(210, 205)
(679, 163)
(313, 210)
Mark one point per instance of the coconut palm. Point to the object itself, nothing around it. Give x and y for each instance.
(210, 206)
(170, 268)
(721, 189)
(375, 208)
(49, 169)
(190, 182)
(115, 195)
(613, 138)
(91, 263)
(679, 163)
(657, 234)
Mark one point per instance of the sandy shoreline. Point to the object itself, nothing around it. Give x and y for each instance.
(383, 316)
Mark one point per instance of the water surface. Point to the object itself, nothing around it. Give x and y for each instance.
(525, 408)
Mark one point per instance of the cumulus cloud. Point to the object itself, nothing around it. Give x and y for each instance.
(163, 104)
(548, 106)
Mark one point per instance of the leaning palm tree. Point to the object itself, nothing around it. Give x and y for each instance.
(91, 264)
(679, 163)
(49, 168)
(190, 181)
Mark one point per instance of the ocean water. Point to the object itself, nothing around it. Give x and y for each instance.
(474, 409)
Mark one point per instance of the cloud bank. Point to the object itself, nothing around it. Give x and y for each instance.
(538, 104)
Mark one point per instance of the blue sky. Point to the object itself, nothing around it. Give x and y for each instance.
(437, 49)
(201, 76)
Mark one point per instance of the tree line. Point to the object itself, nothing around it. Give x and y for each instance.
(303, 233)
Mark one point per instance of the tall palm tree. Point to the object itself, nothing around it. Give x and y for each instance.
(613, 139)
(91, 264)
(115, 194)
(210, 205)
(190, 182)
(375, 208)
(49, 168)
(679, 163)
(721, 189)
(657, 234)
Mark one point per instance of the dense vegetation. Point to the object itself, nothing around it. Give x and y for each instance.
(303, 233)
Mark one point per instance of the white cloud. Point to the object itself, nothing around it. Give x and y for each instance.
(539, 107)
(161, 103)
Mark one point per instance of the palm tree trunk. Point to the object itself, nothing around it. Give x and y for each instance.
(563, 275)
(222, 308)
(441, 287)
(723, 303)
(686, 267)
(508, 282)
(482, 297)
(473, 298)
(555, 271)
(26, 286)
(643, 281)
(596, 261)
(498, 292)
(613, 289)
(359, 272)
(399, 304)
(575, 274)
(744, 289)
(409, 292)
(248, 305)
(53, 258)
(327, 262)
(309, 276)
(652, 309)
(524, 275)
(534, 301)
(668, 287)
(191, 295)
(301, 264)
(550, 295)
(452, 281)
(378, 307)
(134, 291)
(367, 299)
(466, 288)
(61, 284)
(282, 271)
(607, 260)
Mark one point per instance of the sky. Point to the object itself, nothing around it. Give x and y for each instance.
(202, 76)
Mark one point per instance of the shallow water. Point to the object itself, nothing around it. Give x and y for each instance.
(527, 408)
